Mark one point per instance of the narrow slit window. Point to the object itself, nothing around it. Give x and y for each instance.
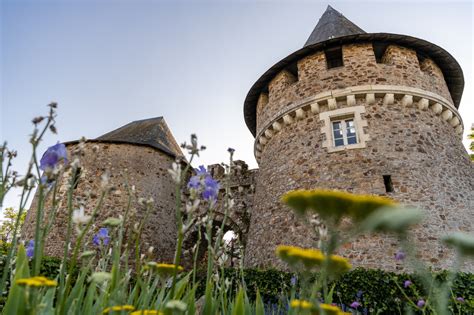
(387, 180)
(344, 132)
(379, 51)
(334, 57)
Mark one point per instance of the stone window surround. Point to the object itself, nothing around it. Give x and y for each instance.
(354, 112)
(408, 96)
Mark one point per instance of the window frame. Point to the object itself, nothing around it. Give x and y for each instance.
(354, 113)
(344, 130)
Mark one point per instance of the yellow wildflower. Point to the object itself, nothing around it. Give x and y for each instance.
(292, 254)
(164, 269)
(118, 308)
(328, 309)
(339, 264)
(38, 281)
(333, 204)
(301, 304)
(146, 312)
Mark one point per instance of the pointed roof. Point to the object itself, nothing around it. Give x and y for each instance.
(332, 24)
(153, 132)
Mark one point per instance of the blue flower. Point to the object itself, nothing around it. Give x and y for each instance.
(194, 182)
(201, 171)
(293, 281)
(421, 303)
(355, 305)
(211, 189)
(30, 249)
(53, 156)
(407, 283)
(102, 237)
(400, 255)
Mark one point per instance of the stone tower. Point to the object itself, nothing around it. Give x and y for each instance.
(139, 153)
(371, 113)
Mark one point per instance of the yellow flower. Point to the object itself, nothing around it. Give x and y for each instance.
(146, 312)
(292, 255)
(339, 264)
(322, 309)
(328, 309)
(118, 308)
(301, 304)
(311, 258)
(333, 204)
(164, 269)
(38, 281)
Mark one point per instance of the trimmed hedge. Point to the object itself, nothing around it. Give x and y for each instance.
(374, 289)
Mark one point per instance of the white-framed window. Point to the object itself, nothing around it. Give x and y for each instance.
(343, 129)
(344, 132)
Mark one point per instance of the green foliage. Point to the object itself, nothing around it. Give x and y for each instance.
(378, 288)
(8, 225)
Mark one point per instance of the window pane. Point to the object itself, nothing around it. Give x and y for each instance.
(339, 142)
(336, 125)
(351, 140)
(337, 134)
(351, 132)
(349, 123)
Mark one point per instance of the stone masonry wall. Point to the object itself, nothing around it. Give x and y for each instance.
(422, 152)
(143, 167)
(428, 165)
(400, 67)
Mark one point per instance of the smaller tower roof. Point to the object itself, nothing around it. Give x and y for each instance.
(332, 24)
(153, 132)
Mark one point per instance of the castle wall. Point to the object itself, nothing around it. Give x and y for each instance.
(428, 165)
(140, 166)
(400, 67)
(410, 130)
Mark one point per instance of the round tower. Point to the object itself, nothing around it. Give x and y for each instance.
(368, 113)
(140, 154)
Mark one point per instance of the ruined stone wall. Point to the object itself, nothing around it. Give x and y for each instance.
(140, 166)
(406, 119)
(400, 67)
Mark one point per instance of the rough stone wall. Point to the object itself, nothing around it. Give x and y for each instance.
(143, 167)
(242, 188)
(400, 67)
(428, 165)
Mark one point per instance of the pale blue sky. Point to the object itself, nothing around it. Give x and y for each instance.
(110, 62)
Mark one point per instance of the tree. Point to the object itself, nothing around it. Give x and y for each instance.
(8, 225)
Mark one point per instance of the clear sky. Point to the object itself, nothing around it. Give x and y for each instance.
(111, 62)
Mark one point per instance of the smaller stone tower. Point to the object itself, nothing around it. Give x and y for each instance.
(140, 152)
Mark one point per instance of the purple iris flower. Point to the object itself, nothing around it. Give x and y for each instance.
(30, 249)
(211, 189)
(53, 156)
(460, 299)
(421, 303)
(400, 255)
(293, 281)
(407, 283)
(201, 171)
(355, 305)
(194, 182)
(102, 237)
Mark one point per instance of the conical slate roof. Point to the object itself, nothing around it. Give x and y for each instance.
(153, 132)
(332, 24)
(333, 29)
